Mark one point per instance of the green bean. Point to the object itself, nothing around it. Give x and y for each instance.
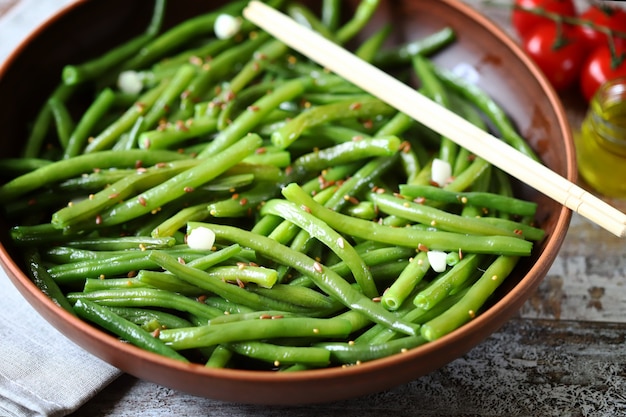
(150, 319)
(346, 109)
(372, 258)
(297, 295)
(261, 276)
(396, 125)
(228, 182)
(168, 282)
(106, 139)
(466, 179)
(350, 188)
(277, 158)
(179, 35)
(331, 13)
(282, 355)
(12, 167)
(251, 315)
(147, 297)
(448, 282)
(434, 89)
(175, 87)
(200, 55)
(75, 74)
(363, 210)
(270, 51)
(122, 243)
(424, 46)
(39, 130)
(306, 17)
(38, 234)
(363, 13)
(247, 120)
(345, 153)
(227, 307)
(94, 181)
(377, 334)
(485, 103)
(41, 278)
(172, 224)
(90, 208)
(409, 237)
(243, 203)
(434, 217)
(329, 237)
(469, 305)
(355, 353)
(369, 48)
(123, 328)
(327, 280)
(260, 172)
(220, 357)
(472, 115)
(114, 265)
(65, 254)
(88, 121)
(242, 100)
(481, 199)
(63, 120)
(524, 230)
(394, 296)
(266, 225)
(98, 284)
(182, 183)
(251, 330)
(212, 281)
(222, 65)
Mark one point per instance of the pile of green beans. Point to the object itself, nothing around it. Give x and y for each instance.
(320, 198)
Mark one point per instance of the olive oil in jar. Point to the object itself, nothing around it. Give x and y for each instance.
(601, 144)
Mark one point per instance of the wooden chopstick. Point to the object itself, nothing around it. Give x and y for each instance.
(445, 122)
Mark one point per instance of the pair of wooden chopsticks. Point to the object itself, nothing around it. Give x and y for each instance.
(436, 117)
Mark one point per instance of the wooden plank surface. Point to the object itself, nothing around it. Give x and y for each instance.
(563, 355)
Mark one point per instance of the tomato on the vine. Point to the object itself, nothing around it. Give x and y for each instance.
(525, 21)
(604, 15)
(557, 53)
(602, 66)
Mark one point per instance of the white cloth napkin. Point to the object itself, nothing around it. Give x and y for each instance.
(42, 373)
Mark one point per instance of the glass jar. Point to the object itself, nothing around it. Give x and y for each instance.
(601, 144)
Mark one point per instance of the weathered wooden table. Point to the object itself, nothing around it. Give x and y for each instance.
(562, 355)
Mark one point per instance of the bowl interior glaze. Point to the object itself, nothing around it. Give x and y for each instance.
(88, 28)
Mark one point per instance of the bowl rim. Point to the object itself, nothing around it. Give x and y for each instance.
(59, 317)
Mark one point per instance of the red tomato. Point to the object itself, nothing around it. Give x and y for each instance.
(600, 67)
(602, 14)
(525, 21)
(560, 59)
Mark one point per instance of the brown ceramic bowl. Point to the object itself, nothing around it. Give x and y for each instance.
(89, 27)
